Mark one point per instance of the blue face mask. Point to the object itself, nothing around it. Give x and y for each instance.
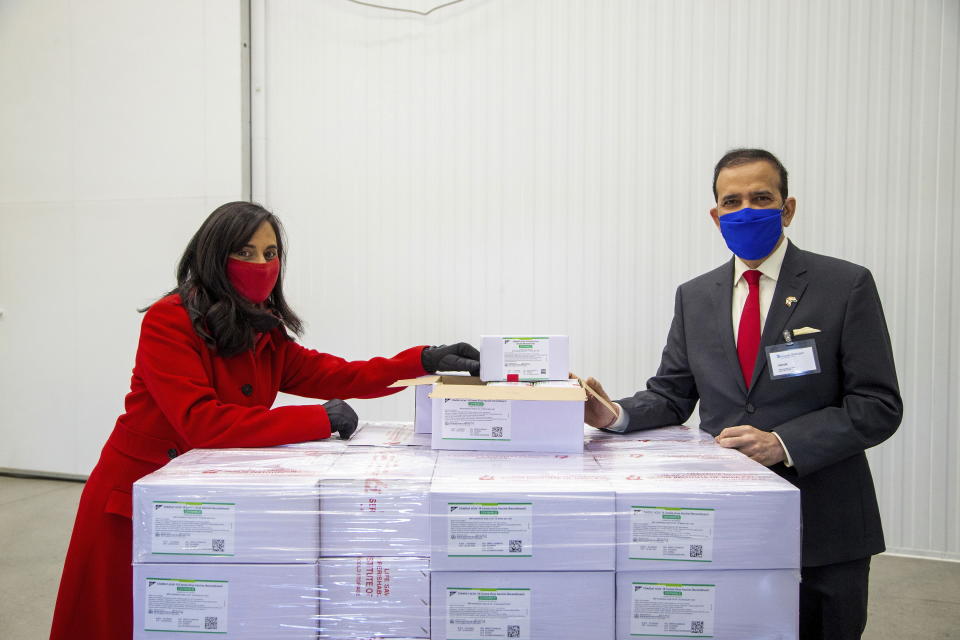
(752, 233)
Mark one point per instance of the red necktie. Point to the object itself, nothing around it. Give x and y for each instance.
(748, 334)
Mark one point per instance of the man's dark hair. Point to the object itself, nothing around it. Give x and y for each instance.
(226, 321)
(737, 157)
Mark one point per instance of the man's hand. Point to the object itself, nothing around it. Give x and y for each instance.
(762, 446)
(594, 413)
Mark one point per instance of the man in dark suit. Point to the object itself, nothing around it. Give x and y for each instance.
(788, 353)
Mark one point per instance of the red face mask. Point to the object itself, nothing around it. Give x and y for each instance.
(252, 280)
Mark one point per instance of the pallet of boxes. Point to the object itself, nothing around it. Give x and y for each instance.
(489, 517)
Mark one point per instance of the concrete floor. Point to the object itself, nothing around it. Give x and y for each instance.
(909, 599)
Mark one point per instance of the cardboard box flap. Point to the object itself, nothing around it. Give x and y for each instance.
(471, 389)
(416, 382)
(461, 378)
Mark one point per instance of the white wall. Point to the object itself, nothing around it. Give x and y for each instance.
(541, 165)
(120, 129)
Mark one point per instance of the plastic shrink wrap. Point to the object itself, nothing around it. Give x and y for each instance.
(534, 605)
(242, 601)
(698, 507)
(231, 505)
(665, 535)
(373, 502)
(520, 512)
(374, 596)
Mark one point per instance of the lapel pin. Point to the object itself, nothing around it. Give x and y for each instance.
(790, 301)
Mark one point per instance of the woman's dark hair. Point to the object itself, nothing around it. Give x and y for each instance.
(226, 321)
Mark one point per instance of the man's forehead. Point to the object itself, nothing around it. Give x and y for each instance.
(748, 178)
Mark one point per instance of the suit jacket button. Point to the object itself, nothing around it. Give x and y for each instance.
(750, 408)
(247, 390)
(172, 453)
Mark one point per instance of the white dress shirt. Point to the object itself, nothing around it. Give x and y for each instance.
(769, 274)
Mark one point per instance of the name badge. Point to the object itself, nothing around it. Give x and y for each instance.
(793, 359)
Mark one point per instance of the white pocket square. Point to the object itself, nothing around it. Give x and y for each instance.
(802, 331)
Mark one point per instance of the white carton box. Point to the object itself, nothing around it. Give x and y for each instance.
(366, 597)
(469, 415)
(532, 513)
(373, 502)
(724, 605)
(242, 601)
(527, 605)
(525, 358)
(231, 505)
(388, 434)
(702, 510)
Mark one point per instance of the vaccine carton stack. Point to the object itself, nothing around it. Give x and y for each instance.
(702, 530)
(226, 541)
(374, 565)
(522, 545)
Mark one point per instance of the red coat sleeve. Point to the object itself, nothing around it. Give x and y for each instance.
(170, 361)
(321, 375)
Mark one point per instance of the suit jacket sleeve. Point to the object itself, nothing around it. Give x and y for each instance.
(170, 362)
(321, 375)
(671, 395)
(871, 408)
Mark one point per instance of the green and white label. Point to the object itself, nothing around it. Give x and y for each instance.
(193, 528)
(475, 419)
(671, 533)
(672, 610)
(490, 529)
(528, 358)
(185, 606)
(481, 614)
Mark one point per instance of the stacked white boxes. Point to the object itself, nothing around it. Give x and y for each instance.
(665, 535)
(226, 541)
(522, 545)
(374, 521)
(702, 530)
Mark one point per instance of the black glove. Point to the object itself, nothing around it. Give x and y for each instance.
(455, 357)
(343, 419)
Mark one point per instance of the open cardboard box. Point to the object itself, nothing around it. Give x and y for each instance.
(468, 414)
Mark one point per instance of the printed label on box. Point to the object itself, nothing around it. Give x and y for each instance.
(475, 419)
(673, 610)
(372, 578)
(186, 606)
(481, 614)
(193, 528)
(490, 529)
(528, 358)
(671, 533)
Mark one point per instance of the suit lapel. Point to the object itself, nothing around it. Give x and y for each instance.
(791, 283)
(723, 305)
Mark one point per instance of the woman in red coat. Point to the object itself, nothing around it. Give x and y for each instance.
(213, 355)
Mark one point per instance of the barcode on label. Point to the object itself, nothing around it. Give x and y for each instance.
(497, 432)
(516, 546)
(217, 544)
(696, 626)
(696, 551)
(210, 622)
(513, 631)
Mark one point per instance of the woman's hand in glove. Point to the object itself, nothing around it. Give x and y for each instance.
(455, 357)
(343, 419)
